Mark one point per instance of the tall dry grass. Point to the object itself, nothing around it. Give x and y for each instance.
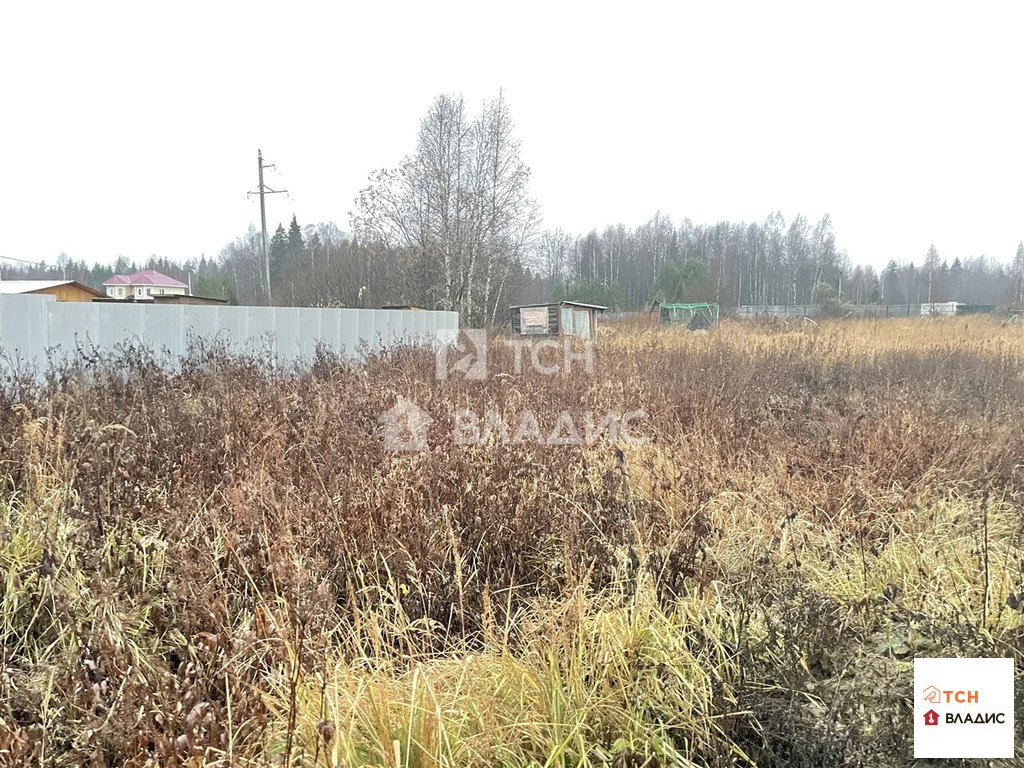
(222, 565)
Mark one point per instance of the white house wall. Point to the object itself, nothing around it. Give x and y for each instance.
(31, 325)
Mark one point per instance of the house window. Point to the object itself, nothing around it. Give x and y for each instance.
(149, 291)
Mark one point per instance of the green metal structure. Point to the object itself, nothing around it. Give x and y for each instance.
(696, 317)
(975, 309)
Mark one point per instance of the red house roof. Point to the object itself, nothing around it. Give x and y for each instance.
(146, 277)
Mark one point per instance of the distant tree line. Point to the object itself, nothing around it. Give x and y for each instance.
(769, 262)
(453, 226)
(761, 263)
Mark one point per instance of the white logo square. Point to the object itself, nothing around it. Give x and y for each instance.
(963, 708)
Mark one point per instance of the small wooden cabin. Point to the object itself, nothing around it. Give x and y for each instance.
(62, 290)
(165, 298)
(559, 318)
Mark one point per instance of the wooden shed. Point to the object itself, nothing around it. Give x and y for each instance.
(166, 298)
(62, 290)
(559, 318)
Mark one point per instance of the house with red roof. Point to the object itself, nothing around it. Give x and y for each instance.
(144, 285)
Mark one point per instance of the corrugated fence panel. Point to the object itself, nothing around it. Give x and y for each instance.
(420, 325)
(286, 333)
(205, 325)
(385, 322)
(257, 325)
(370, 326)
(384, 334)
(80, 326)
(24, 328)
(348, 332)
(32, 325)
(165, 329)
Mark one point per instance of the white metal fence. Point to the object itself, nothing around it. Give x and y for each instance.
(944, 309)
(30, 326)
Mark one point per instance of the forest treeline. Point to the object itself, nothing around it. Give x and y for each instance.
(454, 226)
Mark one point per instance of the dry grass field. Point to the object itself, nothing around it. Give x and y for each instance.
(224, 566)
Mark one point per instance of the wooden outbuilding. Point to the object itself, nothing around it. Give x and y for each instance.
(62, 290)
(167, 298)
(558, 318)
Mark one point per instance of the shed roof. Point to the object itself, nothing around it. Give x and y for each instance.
(30, 286)
(550, 303)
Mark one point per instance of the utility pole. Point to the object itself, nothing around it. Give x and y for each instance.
(262, 192)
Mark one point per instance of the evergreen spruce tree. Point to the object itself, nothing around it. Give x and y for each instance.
(296, 246)
(295, 255)
(278, 251)
(956, 279)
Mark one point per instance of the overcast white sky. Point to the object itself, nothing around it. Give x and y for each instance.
(131, 130)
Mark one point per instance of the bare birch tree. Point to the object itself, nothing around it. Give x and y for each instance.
(460, 205)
